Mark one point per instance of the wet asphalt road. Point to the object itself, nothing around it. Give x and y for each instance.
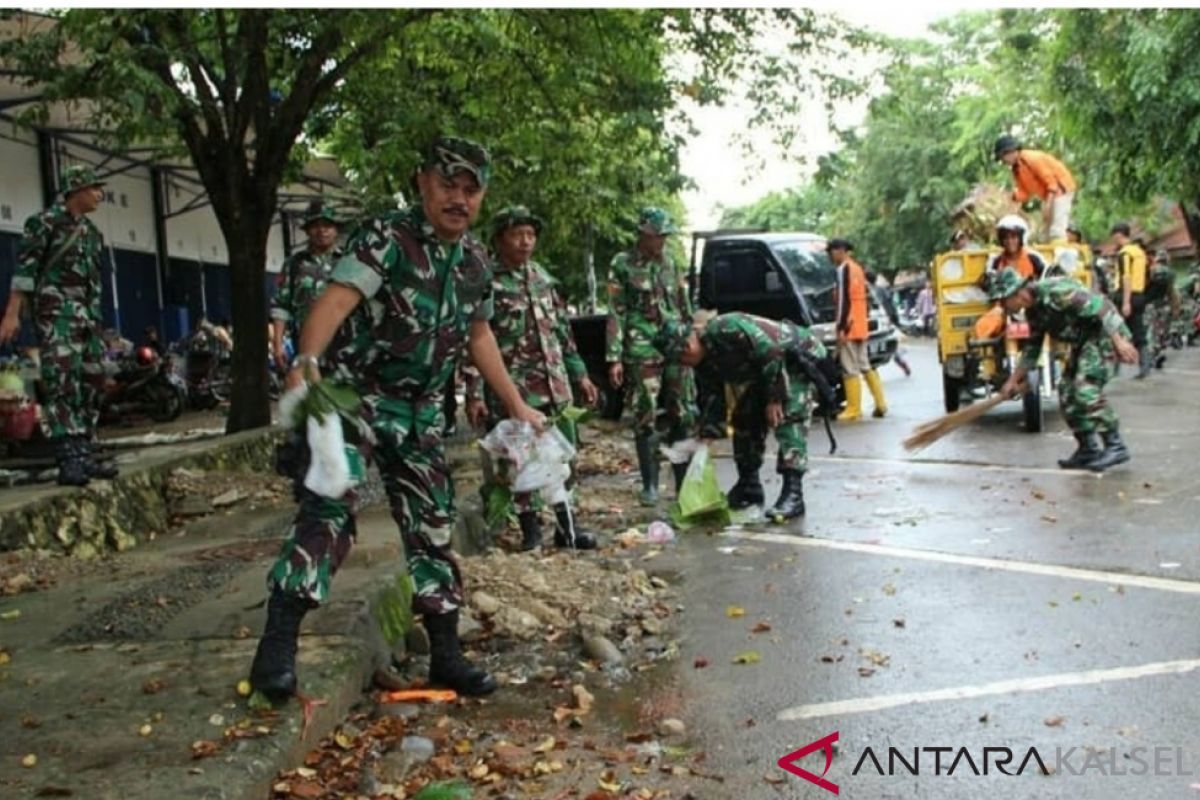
(971, 595)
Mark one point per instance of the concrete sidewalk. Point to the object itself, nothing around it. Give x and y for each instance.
(109, 678)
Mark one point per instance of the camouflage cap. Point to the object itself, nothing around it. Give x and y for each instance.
(671, 338)
(1005, 283)
(512, 216)
(320, 211)
(656, 221)
(78, 176)
(450, 155)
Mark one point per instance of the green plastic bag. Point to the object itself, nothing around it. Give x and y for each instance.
(701, 501)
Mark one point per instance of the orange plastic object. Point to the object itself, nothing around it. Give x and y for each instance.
(990, 325)
(419, 696)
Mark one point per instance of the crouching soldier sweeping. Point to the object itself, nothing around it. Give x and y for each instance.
(1071, 313)
(772, 368)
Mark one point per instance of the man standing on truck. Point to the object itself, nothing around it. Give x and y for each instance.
(1041, 175)
(1073, 314)
(645, 290)
(530, 323)
(850, 300)
(772, 368)
(58, 278)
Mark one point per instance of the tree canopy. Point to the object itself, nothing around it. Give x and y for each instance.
(1112, 93)
(581, 108)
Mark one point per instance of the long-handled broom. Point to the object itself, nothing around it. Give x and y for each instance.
(928, 433)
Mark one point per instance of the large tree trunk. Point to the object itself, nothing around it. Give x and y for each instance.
(250, 406)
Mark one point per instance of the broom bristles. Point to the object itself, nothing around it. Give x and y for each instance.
(930, 432)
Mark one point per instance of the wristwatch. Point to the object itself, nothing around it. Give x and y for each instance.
(305, 359)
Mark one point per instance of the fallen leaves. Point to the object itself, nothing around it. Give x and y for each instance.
(748, 657)
(14, 613)
(700, 663)
(154, 686)
(761, 627)
(1055, 721)
(30, 761)
(205, 748)
(733, 612)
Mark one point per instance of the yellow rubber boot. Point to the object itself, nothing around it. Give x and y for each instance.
(876, 387)
(853, 410)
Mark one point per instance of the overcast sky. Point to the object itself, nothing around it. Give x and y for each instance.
(714, 161)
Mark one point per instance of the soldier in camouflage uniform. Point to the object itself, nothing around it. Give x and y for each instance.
(761, 360)
(416, 289)
(531, 328)
(303, 277)
(58, 275)
(1071, 313)
(1162, 306)
(645, 290)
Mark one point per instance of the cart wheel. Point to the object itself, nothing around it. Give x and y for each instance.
(951, 392)
(1032, 402)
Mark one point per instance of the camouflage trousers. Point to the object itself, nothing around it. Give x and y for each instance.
(1081, 388)
(750, 427)
(1158, 328)
(72, 376)
(421, 495)
(500, 474)
(670, 388)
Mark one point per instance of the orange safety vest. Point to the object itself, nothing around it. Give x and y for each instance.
(1036, 173)
(1023, 264)
(852, 276)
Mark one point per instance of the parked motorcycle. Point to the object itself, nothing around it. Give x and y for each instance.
(144, 385)
(207, 374)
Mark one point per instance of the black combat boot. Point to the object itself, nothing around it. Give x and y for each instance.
(568, 534)
(679, 471)
(647, 455)
(531, 530)
(447, 667)
(1089, 448)
(1114, 453)
(72, 468)
(95, 469)
(791, 498)
(274, 669)
(748, 491)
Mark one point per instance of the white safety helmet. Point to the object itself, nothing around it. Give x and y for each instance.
(1012, 222)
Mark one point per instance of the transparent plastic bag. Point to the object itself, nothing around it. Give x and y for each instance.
(538, 461)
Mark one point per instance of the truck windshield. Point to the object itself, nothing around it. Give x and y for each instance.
(813, 273)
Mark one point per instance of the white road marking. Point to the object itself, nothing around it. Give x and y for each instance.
(862, 705)
(981, 562)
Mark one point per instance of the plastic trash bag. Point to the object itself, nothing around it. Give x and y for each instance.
(335, 467)
(537, 461)
(701, 500)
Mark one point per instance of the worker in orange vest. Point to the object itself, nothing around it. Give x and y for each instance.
(850, 300)
(1041, 175)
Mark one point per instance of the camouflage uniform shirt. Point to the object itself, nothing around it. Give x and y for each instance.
(642, 295)
(1070, 312)
(302, 279)
(406, 337)
(58, 266)
(534, 336)
(744, 349)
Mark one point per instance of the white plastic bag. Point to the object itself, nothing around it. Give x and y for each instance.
(329, 471)
(537, 461)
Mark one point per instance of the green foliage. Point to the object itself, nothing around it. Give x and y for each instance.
(1112, 93)
(445, 790)
(1130, 87)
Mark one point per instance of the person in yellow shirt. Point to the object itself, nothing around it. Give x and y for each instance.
(1131, 290)
(1041, 175)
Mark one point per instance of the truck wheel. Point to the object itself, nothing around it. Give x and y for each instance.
(951, 392)
(1032, 402)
